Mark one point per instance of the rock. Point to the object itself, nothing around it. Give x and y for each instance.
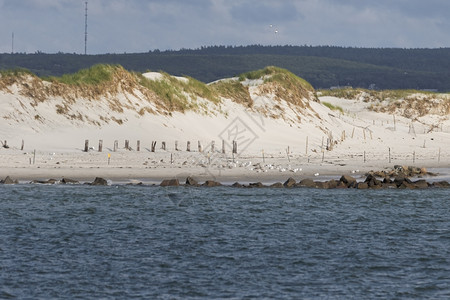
(191, 181)
(9, 180)
(341, 185)
(49, 181)
(306, 183)
(99, 181)
(348, 180)
(289, 183)
(332, 184)
(321, 184)
(256, 185)
(170, 182)
(389, 186)
(277, 185)
(421, 184)
(236, 185)
(400, 179)
(441, 184)
(69, 181)
(387, 180)
(211, 183)
(362, 186)
(372, 181)
(406, 185)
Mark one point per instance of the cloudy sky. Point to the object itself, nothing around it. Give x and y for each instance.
(118, 26)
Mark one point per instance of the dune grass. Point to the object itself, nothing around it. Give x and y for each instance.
(92, 76)
(333, 107)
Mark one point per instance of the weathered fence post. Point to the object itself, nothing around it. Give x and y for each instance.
(199, 146)
(138, 145)
(389, 155)
(86, 145)
(188, 146)
(176, 145)
(127, 144)
(234, 147)
(100, 145)
(306, 151)
(23, 145)
(213, 146)
(163, 145)
(153, 146)
(223, 146)
(116, 145)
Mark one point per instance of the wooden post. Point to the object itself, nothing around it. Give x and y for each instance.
(200, 147)
(138, 145)
(424, 143)
(414, 157)
(153, 146)
(223, 146)
(234, 147)
(34, 156)
(323, 155)
(23, 144)
(116, 145)
(100, 145)
(212, 146)
(127, 144)
(321, 147)
(264, 160)
(171, 158)
(364, 156)
(371, 135)
(353, 132)
(439, 155)
(188, 146)
(176, 145)
(306, 150)
(86, 145)
(395, 126)
(163, 145)
(364, 131)
(389, 155)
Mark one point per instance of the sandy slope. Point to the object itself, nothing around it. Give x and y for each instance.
(284, 141)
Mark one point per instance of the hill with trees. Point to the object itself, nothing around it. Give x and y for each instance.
(322, 66)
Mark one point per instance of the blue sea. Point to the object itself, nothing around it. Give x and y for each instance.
(145, 242)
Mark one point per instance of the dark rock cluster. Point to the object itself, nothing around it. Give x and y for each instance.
(345, 182)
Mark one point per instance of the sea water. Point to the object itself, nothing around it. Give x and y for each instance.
(143, 242)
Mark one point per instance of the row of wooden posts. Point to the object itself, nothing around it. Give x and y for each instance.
(163, 146)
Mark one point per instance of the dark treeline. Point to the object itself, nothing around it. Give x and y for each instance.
(322, 66)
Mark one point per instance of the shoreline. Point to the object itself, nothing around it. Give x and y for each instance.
(226, 177)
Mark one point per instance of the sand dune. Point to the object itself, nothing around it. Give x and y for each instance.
(283, 132)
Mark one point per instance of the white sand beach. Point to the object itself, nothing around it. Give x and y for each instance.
(276, 139)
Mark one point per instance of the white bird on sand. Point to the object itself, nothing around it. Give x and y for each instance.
(317, 174)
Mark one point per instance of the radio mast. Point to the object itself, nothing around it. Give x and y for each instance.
(85, 28)
(12, 43)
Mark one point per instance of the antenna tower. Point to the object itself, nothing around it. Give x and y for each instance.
(85, 29)
(12, 43)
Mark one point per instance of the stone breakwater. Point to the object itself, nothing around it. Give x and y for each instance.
(345, 182)
(373, 180)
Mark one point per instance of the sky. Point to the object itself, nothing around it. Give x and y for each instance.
(136, 26)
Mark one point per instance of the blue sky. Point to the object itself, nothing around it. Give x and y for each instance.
(119, 26)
